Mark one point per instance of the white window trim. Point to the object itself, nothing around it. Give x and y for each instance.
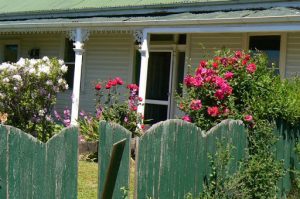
(283, 48)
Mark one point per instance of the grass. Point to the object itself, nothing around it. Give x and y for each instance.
(88, 180)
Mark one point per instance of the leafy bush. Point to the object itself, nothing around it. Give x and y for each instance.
(28, 91)
(112, 107)
(240, 86)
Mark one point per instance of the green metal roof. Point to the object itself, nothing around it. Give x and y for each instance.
(142, 20)
(48, 6)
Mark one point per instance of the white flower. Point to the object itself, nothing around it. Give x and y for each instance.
(61, 81)
(66, 86)
(4, 66)
(6, 80)
(44, 69)
(11, 67)
(21, 62)
(15, 88)
(41, 112)
(33, 61)
(49, 83)
(61, 62)
(64, 68)
(31, 70)
(17, 77)
(45, 58)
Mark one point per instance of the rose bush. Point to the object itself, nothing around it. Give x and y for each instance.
(239, 85)
(112, 107)
(28, 91)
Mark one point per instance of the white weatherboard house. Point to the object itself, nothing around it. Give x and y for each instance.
(150, 42)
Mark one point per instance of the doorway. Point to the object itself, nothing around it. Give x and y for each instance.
(159, 86)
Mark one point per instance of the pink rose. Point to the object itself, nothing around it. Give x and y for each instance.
(213, 111)
(248, 118)
(119, 81)
(98, 86)
(238, 54)
(196, 105)
(228, 75)
(251, 68)
(186, 118)
(219, 94)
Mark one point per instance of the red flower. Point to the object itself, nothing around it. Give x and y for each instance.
(132, 87)
(181, 107)
(98, 87)
(119, 81)
(186, 118)
(247, 57)
(213, 111)
(251, 68)
(215, 65)
(140, 99)
(228, 75)
(134, 108)
(244, 62)
(219, 94)
(113, 82)
(196, 105)
(248, 118)
(142, 126)
(203, 64)
(108, 85)
(238, 54)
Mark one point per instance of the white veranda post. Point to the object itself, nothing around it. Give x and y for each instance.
(144, 70)
(78, 36)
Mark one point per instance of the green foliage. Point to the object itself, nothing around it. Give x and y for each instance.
(111, 105)
(240, 86)
(28, 91)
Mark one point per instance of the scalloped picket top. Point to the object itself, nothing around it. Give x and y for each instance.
(33, 169)
(173, 161)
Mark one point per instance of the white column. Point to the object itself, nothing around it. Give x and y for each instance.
(78, 36)
(144, 70)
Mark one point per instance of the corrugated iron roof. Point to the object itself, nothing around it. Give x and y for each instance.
(243, 14)
(47, 6)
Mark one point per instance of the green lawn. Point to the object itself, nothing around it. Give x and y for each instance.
(88, 180)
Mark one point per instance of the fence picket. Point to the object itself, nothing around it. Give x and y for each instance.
(111, 133)
(32, 169)
(175, 161)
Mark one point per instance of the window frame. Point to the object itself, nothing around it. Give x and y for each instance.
(3, 43)
(282, 51)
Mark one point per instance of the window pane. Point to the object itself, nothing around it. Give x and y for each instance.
(69, 52)
(161, 37)
(70, 62)
(158, 76)
(269, 45)
(69, 76)
(155, 113)
(11, 53)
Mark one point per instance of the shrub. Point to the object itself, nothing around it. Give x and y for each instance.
(28, 91)
(112, 107)
(238, 85)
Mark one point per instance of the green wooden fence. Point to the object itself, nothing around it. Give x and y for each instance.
(173, 157)
(32, 169)
(288, 136)
(109, 134)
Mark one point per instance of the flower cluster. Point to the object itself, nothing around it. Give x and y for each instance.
(213, 90)
(113, 106)
(28, 91)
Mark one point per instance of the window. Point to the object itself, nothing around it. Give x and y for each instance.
(11, 53)
(269, 45)
(69, 59)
